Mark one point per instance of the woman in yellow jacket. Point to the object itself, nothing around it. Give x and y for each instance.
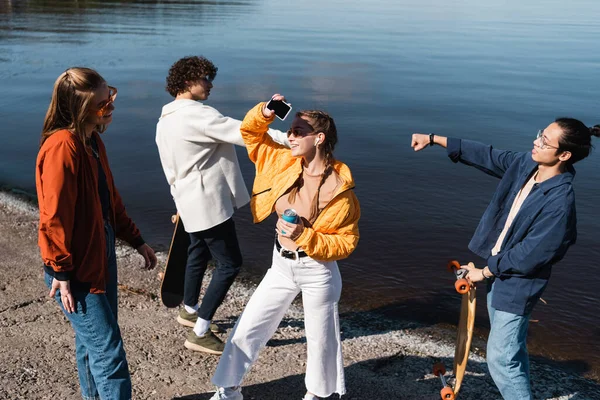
(309, 180)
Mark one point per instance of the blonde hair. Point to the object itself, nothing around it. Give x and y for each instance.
(70, 104)
(321, 122)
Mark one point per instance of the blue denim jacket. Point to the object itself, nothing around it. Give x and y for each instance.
(540, 234)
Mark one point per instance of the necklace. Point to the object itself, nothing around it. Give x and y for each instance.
(95, 152)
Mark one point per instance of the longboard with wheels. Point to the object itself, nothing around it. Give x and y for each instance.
(171, 288)
(464, 333)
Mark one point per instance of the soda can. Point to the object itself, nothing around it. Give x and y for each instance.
(290, 215)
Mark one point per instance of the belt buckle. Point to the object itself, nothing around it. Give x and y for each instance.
(288, 254)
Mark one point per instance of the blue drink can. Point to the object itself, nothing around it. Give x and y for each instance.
(290, 215)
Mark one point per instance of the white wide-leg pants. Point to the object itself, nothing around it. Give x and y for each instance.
(321, 285)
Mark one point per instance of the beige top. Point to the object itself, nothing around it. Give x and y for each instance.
(304, 199)
(516, 206)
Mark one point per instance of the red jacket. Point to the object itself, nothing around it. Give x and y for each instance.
(71, 232)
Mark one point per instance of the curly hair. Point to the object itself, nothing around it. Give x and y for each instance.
(188, 69)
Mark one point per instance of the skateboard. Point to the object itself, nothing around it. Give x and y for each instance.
(464, 333)
(171, 288)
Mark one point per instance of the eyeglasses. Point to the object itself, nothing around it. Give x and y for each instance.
(545, 145)
(299, 134)
(208, 78)
(112, 95)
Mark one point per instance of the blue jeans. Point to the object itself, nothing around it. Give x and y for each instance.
(101, 362)
(507, 356)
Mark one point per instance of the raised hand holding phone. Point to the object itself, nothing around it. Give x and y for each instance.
(278, 106)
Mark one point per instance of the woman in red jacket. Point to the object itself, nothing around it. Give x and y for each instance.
(81, 213)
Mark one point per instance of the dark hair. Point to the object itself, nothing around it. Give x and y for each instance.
(188, 69)
(576, 138)
(321, 122)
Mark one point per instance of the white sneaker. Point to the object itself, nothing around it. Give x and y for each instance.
(228, 394)
(310, 397)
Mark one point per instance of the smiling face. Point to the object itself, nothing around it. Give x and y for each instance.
(303, 138)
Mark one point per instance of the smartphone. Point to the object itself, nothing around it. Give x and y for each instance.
(281, 108)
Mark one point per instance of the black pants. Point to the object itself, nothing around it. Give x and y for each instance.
(221, 244)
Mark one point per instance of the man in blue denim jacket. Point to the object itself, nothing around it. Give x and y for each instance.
(527, 228)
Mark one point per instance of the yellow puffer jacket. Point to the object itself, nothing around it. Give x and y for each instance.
(334, 234)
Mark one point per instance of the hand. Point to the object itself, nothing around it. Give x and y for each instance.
(289, 230)
(66, 297)
(269, 113)
(149, 256)
(419, 141)
(475, 274)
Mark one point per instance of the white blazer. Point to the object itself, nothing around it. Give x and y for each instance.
(197, 153)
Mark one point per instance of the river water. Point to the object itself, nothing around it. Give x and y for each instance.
(494, 71)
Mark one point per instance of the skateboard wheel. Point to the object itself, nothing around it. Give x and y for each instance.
(462, 286)
(173, 218)
(453, 265)
(439, 369)
(447, 393)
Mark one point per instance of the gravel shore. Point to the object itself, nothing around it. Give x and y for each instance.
(384, 358)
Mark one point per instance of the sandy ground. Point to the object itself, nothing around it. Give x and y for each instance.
(384, 359)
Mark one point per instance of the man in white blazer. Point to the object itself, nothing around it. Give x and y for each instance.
(197, 153)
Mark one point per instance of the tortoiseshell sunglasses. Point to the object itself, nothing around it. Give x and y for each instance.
(112, 95)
